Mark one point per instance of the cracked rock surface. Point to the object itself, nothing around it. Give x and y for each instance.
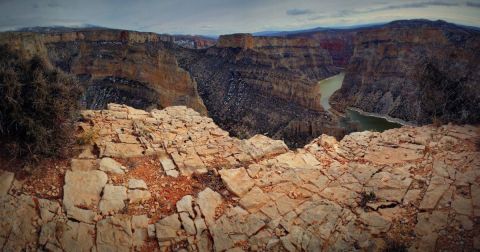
(171, 180)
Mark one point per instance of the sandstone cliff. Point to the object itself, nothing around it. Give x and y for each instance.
(387, 70)
(338, 42)
(116, 66)
(264, 85)
(253, 85)
(171, 180)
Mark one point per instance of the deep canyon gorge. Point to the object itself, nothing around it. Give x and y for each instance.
(268, 84)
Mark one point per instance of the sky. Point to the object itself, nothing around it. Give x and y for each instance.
(215, 17)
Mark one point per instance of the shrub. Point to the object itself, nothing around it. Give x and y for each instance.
(88, 137)
(38, 106)
(395, 246)
(366, 198)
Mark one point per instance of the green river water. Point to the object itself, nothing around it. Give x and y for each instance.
(363, 121)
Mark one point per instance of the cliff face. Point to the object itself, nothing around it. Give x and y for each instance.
(249, 84)
(338, 43)
(239, 40)
(171, 179)
(116, 66)
(387, 75)
(253, 85)
(302, 54)
(262, 85)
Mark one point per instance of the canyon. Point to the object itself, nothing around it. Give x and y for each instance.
(390, 64)
(268, 84)
(190, 144)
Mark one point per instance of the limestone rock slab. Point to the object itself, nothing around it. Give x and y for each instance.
(110, 165)
(237, 180)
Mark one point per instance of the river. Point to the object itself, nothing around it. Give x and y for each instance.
(327, 87)
(362, 120)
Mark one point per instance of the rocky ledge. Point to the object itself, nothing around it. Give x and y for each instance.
(172, 180)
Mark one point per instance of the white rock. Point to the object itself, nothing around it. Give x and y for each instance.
(167, 228)
(208, 200)
(138, 196)
(237, 181)
(137, 184)
(185, 205)
(84, 164)
(172, 173)
(83, 188)
(110, 165)
(115, 233)
(113, 199)
(167, 164)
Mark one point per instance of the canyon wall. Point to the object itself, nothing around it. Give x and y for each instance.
(414, 70)
(392, 65)
(263, 85)
(338, 42)
(249, 84)
(116, 66)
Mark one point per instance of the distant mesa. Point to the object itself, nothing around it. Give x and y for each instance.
(237, 40)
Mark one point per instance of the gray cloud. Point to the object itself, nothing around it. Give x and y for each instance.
(298, 12)
(413, 5)
(228, 16)
(417, 5)
(472, 4)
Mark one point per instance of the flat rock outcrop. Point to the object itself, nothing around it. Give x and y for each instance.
(412, 188)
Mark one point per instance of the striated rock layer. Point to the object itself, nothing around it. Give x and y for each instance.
(415, 70)
(269, 86)
(171, 180)
(263, 85)
(115, 66)
(387, 70)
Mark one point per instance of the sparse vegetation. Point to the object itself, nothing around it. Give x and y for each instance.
(366, 198)
(88, 136)
(395, 246)
(445, 97)
(211, 180)
(38, 105)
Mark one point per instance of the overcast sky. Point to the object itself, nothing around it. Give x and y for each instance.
(213, 17)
